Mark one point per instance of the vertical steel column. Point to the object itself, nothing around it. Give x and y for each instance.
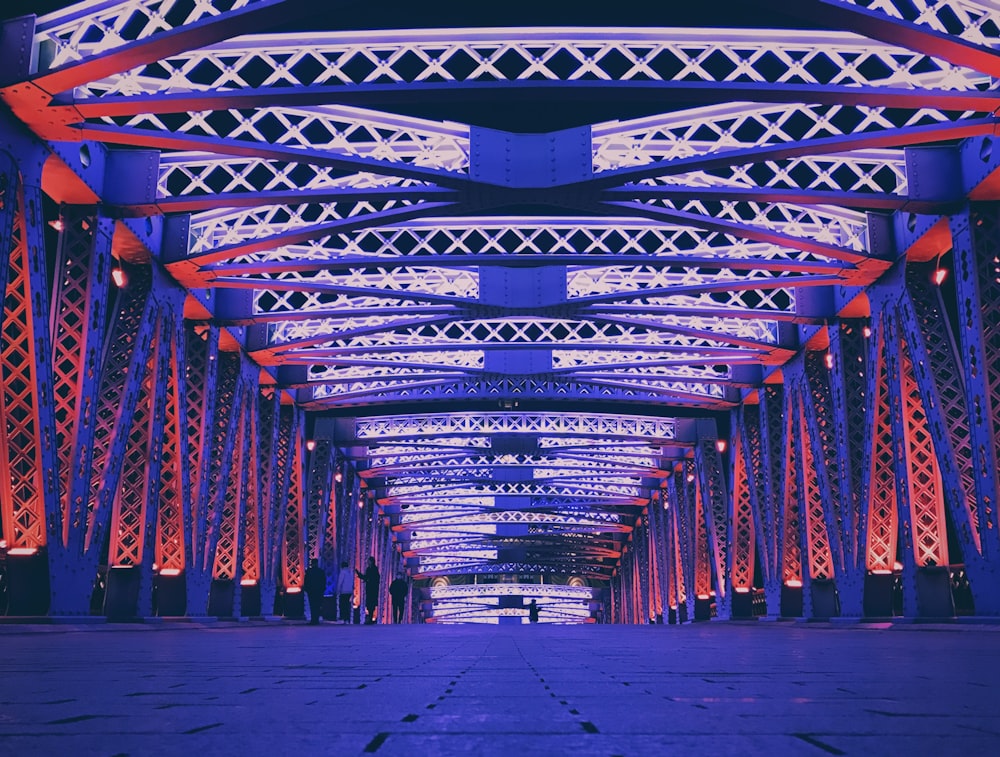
(976, 239)
(28, 459)
(229, 508)
(793, 578)
(173, 537)
(851, 404)
(741, 519)
(714, 500)
(79, 327)
(318, 486)
(771, 505)
(293, 570)
(817, 513)
(923, 322)
(251, 560)
(271, 491)
(129, 587)
(201, 371)
(881, 530)
(898, 418)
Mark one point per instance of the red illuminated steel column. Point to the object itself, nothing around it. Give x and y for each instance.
(173, 490)
(292, 440)
(788, 521)
(28, 459)
(743, 555)
(129, 586)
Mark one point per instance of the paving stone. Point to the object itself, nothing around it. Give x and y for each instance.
(547, 690)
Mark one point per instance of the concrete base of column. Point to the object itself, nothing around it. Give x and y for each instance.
(171, 595)
(934, 598)
(28, 584)
(250, 604)
(121, 599)
(220, 598)
(791, 601)
(825, 602)
(878, 599)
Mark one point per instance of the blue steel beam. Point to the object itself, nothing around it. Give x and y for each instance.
(664, 93)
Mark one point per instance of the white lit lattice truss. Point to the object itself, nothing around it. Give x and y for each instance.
(514, 492)
(374, 258)
(484, 603)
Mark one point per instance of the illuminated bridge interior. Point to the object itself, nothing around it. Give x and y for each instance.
(644, 316)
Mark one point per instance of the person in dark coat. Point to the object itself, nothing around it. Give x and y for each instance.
(533, 612)
(315, 586)
(398, 590)
(371, 578)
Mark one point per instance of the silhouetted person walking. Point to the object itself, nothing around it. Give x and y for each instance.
(533, 612)
(398, 590)
(371, 578)
(345, 590)
(315, 588)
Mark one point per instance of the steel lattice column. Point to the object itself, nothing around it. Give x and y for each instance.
(740, 571)
(793, 591)
(79, 327)
(129, 562)
(292, 446)
(976, 238)
(28, 459)
(173, 537)
(924, 324)
(319, 485)
(851, 405)
(771, 505)
(201, 370)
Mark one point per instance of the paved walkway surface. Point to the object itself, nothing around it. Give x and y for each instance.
(706, 689)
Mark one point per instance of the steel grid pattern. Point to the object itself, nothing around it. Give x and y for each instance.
(357, 259)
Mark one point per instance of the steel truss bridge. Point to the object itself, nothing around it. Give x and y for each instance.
(714, 329)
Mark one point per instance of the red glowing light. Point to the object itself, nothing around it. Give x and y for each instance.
(119, 277)
(58, 224)
(338, 477)
(690, 477)
(720, 445)
(940, 274)
(867, 331)
(311, 445)
(829, 360)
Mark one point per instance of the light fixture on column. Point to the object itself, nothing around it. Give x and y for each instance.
(940, 272)
(118, 276)
(720, 445)
(311, 444)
